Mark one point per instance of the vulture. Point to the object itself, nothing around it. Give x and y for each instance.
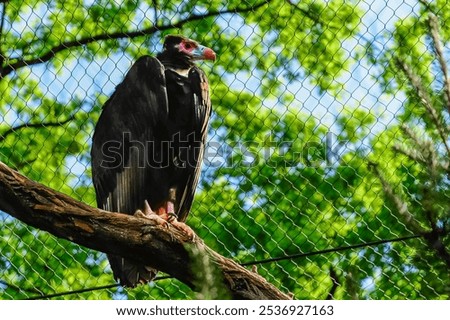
(149, 141)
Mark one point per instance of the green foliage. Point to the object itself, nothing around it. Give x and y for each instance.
(279, 184)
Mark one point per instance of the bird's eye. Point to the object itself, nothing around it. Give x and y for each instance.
(187, 45)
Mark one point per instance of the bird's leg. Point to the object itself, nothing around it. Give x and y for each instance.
(150, 214)
(172, 217)
(147, 209)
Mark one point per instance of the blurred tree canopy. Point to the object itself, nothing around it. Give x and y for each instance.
(281, 177)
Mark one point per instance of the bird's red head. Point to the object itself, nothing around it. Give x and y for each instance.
(189, 47)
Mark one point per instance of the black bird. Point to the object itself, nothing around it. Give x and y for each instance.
(148, 143)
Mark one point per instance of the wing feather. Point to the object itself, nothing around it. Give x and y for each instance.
(136, 113)
(202, 105)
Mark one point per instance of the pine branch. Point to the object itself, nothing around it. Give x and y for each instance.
(401, 206)
(416, 83)
(121, 35)
(433, 235)
(439, 51)
(423, 152)
(412, 154)
(139, 239)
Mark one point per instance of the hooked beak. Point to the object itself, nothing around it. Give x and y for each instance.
(203, 53)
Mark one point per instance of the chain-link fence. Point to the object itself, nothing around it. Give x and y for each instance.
(327, 157)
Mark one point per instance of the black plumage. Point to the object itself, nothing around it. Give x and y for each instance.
(149, 140)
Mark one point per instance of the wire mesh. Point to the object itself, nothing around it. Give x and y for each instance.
(329, 130)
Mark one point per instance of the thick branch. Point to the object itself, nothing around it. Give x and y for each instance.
(140, 239)
(120, 35)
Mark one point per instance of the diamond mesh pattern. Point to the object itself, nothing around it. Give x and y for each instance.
(330, 129)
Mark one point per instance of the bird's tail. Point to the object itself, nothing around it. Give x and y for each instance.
(130, 273)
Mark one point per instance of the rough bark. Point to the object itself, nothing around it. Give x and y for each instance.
(141, 239)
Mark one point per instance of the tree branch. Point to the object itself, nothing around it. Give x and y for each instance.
(433, 235)
(2, 22)
(402, 207)
(139, 239)
(425, 98)
(120, 35)
(439, 52)
(434, 239)
(314, 18)
(335, 279)
(12, 130)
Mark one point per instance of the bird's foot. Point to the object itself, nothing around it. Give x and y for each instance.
(183, 227)
(148, 213)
